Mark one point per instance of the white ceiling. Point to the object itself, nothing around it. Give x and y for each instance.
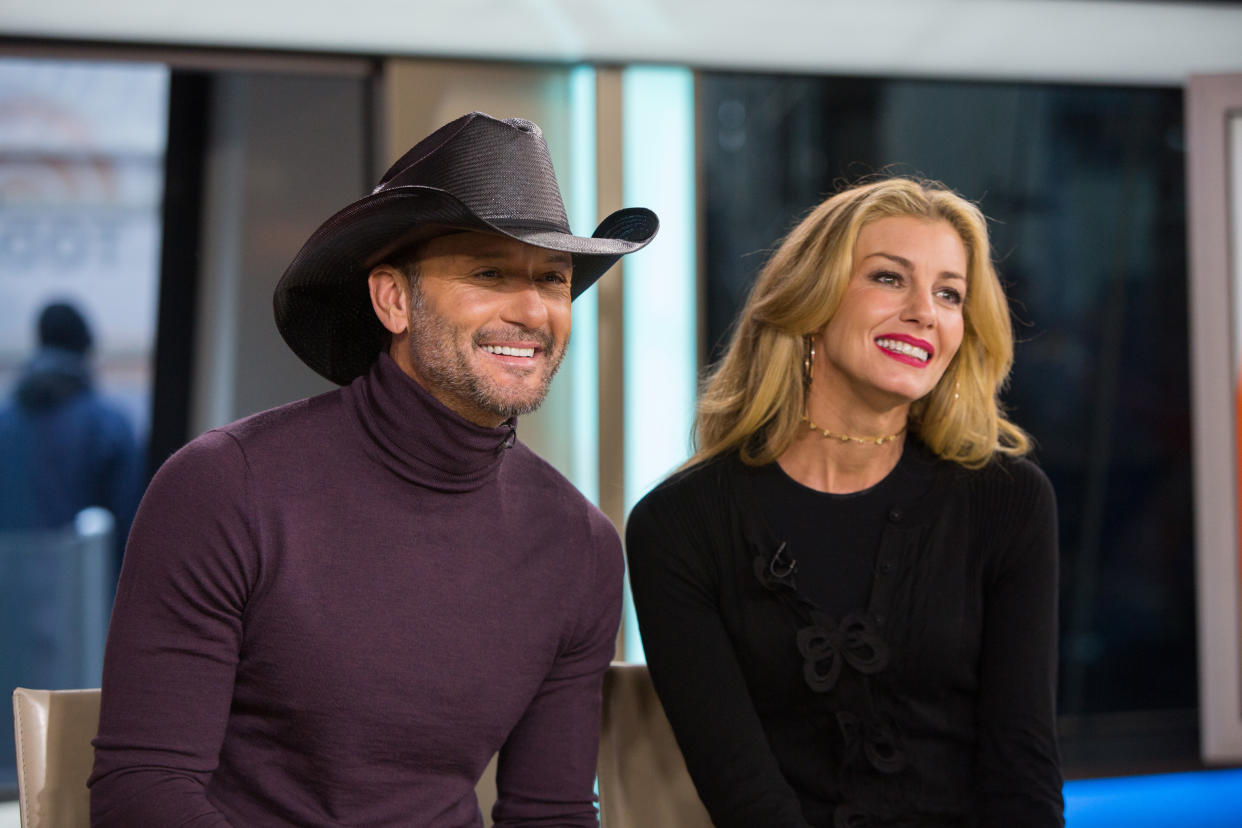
(1065, 40)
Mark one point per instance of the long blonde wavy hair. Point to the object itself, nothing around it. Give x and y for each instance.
(754, 399)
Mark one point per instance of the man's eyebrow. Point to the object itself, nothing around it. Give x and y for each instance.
(552, 257)
(909, 265)
(560, 257)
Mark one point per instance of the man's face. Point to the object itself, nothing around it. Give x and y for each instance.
(489, 322)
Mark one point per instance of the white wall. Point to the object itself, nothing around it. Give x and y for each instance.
(1068, 40)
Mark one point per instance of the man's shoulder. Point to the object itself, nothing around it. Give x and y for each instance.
(293, 432)
(533, 472)
(288, 421)
(523, 461)
(288, 430)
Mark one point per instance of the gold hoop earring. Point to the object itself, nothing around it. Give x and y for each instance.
(808, 361)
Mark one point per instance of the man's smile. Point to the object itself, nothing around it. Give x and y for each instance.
(527, 351)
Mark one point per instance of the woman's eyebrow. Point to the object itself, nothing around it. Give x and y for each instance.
(901, 260)
(906, 263)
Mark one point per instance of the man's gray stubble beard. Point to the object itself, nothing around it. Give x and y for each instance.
(434, 353)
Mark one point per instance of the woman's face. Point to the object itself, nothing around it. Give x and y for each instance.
(900, 321)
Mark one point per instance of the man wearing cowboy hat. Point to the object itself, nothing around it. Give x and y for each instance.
(336, 611)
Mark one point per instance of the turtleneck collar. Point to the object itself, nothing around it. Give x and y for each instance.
(421, 439)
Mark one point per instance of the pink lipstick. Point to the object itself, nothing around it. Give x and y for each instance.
(904, 348)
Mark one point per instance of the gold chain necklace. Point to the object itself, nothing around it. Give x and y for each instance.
(849, 438)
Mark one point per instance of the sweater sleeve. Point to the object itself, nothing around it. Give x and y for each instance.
(173, 642)
(121, 477)
(1017, 766)
(693, 666)
(545, 775)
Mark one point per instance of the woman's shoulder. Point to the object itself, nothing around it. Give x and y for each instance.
(1006, 485)
(697, 480)
(1010, 495)
(701, 489)
(1016, 476)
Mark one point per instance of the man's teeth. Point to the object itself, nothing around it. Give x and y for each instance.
(902, 348)
(505, 350)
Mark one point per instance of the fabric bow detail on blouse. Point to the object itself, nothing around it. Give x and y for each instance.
(826, 646)
(877, 740)
(850, 816)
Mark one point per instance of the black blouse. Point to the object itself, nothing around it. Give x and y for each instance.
(879, 659)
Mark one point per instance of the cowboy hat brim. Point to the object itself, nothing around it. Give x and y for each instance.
(323, 303)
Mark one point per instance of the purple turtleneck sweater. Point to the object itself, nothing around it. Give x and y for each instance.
(335, 612)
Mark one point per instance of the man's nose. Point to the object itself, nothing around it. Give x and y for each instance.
(526, 306)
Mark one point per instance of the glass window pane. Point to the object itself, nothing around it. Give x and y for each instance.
(81, 179)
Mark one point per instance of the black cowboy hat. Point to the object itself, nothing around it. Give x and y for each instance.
(476, 173)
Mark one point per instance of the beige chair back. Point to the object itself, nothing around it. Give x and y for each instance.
(54, 729)
(643, 781)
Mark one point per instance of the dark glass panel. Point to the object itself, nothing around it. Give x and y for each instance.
(1084, 189)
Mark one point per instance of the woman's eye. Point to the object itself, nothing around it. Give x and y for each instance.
(886, 277)
(951, 295)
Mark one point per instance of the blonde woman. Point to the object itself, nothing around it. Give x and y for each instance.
(848, 596)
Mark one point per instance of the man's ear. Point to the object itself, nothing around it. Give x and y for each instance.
(390, 298)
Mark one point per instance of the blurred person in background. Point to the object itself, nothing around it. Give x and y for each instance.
(63, 446)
